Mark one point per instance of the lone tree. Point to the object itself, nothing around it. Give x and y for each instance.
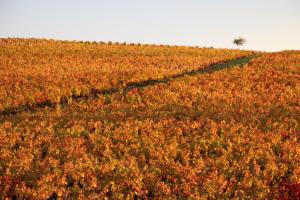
(239, 41)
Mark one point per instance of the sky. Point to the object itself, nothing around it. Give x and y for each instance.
(267, 25)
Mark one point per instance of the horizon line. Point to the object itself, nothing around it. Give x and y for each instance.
(142, 43)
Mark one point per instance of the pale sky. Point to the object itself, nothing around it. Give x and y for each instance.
(269, 25)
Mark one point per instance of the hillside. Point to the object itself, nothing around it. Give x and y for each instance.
(83, 120)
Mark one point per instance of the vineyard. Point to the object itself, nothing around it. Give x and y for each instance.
(87, 120)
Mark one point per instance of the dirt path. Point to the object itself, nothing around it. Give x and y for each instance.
(95, 92)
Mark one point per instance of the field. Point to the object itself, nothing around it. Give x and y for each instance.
(87, 120)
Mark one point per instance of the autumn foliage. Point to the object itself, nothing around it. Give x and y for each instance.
(35, 72)
(232, 134)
